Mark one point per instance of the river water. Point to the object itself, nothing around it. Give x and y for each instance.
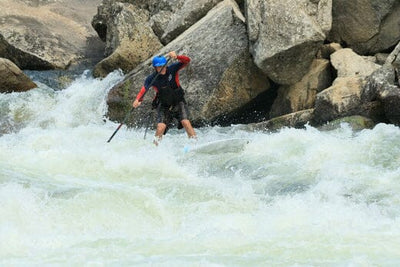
(297, 197)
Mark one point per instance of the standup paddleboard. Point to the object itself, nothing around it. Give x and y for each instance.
(219, 146)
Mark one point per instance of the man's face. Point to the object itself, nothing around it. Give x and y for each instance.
(162, 69)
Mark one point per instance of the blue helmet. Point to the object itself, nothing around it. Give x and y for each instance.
(159, 61)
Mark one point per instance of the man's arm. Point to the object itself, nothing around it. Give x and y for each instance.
(183, 60)
(142, 92)
(139, 97)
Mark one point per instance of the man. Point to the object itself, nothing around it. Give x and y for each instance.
(169, 99)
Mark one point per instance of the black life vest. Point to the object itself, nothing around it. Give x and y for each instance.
(169, 93)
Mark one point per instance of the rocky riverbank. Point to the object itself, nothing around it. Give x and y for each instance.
(274, 63)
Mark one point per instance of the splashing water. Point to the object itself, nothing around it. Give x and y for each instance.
(295, 197)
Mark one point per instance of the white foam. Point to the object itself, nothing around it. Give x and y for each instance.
(294, 197)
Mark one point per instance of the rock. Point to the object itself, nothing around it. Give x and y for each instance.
(239, 84)
(295, 120)
(339, 100)
(220, 78)
(155, 6)
(162, 12)
(347, 63)
(377, 82)
(326, 50)
(356, 122)
(286, 35)
(46, 34)
(158, 22)
(301, 95)
(381, 58)
(390, 98)
(128, 35)
(382, 85)
(366, 26)
(343, 98)
(12, 79)
(191, 12)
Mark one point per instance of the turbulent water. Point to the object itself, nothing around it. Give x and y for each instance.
(291, 198)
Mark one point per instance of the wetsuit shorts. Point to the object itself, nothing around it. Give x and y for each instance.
(178, 111)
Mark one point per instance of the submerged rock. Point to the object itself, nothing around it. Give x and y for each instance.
(296, 120)
(356, 122)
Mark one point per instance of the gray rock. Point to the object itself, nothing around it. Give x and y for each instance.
(12, 79)
(186, 16)
(286, 35)
(155, 6)
(343, 98)
(347, 63)
(46, 34)
(381, 58)
(161, 13)
(339, 100)
(129, 37)
(326, 50)
(377, 82)
(366, 26)
(383, 85)
(159, 21)
(302, 95)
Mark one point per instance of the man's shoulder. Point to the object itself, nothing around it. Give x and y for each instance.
(150, 76)
(149, 79)
(175, 66)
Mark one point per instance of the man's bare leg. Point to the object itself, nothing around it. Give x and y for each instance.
(159, 133)
(189, 129)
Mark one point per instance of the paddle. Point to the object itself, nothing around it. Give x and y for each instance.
(129, 113)
(119, 126)
(148, 124)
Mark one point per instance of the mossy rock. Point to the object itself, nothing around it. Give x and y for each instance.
(356, 122)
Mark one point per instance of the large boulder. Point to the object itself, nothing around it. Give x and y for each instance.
(339, 100)
(286, 35)
(186, 16)
(348, 63)
(301, 95)
(220, 78)
(12, 79)
(46, 34)
(383, 85)
(161, 12)
(343, 98)
(366, 26)
(129, 38)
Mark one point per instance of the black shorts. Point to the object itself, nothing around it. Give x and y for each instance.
(167, 114)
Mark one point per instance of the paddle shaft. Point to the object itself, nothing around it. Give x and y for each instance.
(119, 126)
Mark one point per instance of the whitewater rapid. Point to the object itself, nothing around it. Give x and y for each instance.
(297, 197)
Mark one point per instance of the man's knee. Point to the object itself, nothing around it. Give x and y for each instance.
(185, 123)
(161, 127)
